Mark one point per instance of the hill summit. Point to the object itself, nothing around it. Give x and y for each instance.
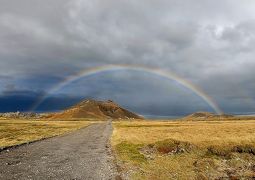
(97, 109)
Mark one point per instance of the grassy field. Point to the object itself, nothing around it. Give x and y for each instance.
(18, 131)
(185, 149)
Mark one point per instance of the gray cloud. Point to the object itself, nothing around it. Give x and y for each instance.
(210, 43)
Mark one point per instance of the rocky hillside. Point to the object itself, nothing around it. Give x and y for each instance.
(97, 109)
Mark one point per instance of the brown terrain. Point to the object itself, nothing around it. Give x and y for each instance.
(96, 109)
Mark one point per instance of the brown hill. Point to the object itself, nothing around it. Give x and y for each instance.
(97, 109)
(207, 115)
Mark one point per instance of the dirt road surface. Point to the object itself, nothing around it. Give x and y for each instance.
(84, 154)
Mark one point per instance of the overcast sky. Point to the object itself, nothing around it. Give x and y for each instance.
(209, 43)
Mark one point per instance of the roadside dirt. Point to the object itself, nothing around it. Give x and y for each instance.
(84, 154)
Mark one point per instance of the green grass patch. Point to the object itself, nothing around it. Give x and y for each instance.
(130, 152)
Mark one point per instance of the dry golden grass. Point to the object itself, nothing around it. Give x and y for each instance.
(223, 136)
(18, 131)
(199, 133)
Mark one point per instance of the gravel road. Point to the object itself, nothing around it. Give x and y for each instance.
(84, 154)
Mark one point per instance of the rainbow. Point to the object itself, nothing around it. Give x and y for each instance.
(159, 72)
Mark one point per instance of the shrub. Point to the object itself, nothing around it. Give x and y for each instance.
(219, 151)
(173, 146)
(244, 149)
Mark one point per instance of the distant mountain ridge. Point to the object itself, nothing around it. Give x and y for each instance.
(207, 115)
(97, 109)
(21, 115)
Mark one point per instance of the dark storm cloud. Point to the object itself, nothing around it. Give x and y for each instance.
(24, 100)
(17, 100)
(210, 43)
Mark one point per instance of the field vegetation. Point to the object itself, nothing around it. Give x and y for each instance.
(185, 149)
(18, 131)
